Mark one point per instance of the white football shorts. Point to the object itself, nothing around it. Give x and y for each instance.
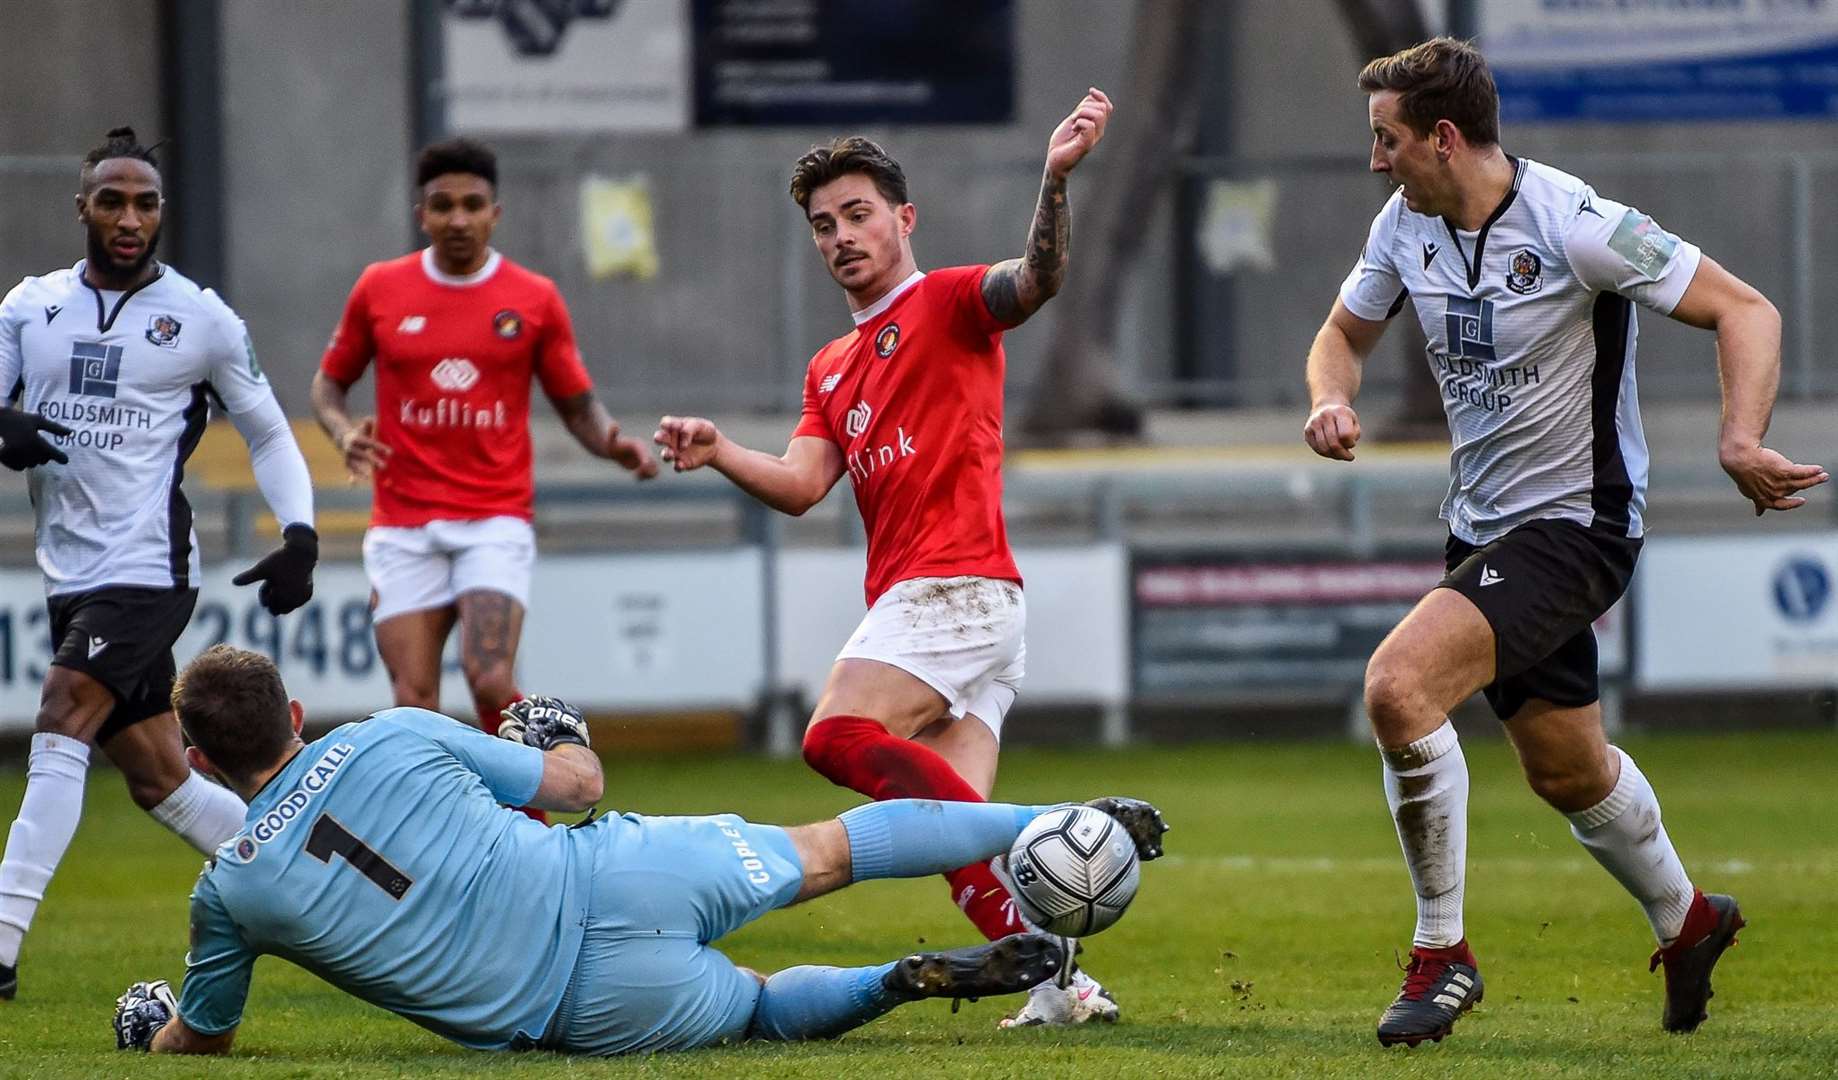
(962, 636)
(429, 566)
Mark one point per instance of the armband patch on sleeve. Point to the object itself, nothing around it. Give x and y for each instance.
(1646, 247)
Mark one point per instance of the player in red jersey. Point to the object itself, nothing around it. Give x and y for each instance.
(909, 407)
(456, 331)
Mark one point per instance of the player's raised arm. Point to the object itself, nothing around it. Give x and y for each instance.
(1017, 288)
(1335, 363)
(790, 484)
(1748, 368)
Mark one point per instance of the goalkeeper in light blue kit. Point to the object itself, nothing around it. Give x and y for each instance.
(381, 858)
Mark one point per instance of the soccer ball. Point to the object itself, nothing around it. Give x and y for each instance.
(1075, 870)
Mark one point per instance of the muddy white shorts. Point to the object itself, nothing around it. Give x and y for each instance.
(962, 636)
(429, 566)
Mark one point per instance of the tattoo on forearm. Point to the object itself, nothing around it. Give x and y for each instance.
(1017, 288)
(1050, 236)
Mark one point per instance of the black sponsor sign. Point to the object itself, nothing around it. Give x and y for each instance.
(849, 62)
(1211, 624)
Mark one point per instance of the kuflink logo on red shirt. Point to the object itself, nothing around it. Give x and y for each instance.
(862, 463)
(857, 421)
(455, 375)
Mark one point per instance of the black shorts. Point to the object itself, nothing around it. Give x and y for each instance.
(1541, 587)
(122, 636)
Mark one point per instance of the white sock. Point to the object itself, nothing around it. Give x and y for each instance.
(1426, 783)
(1625, 835)
(201, 812)
(48, 816)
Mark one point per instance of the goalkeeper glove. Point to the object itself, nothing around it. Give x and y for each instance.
(142, 1012)
(542, 722)
(21, 445)
(287, 574)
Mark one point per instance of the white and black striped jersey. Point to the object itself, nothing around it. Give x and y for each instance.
(1531, 337)
(133, 375)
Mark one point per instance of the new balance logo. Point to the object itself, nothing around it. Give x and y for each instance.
(51, 311)
(1489, 576)
(1429, 254)
(412, 324)
(96, 645)
(829, 383)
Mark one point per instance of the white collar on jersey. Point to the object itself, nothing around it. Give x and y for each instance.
(886, 301)
(477, 277)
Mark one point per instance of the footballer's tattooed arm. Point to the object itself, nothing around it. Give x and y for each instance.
(1017, 288)
(595, 429)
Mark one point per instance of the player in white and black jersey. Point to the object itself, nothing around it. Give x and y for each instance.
(1524, 281)
(110, 370)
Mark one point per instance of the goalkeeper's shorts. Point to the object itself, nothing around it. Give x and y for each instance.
(662, 889)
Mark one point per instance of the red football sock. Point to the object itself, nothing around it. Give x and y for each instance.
(980, 896)
(858, 753)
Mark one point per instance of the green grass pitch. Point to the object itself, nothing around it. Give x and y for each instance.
(1262, 947)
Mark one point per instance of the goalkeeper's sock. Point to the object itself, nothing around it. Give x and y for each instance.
(814, 1002)
(202, 813)
(916, 837)
(56, 771)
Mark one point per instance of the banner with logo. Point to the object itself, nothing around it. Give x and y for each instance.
(1212, 624)
(612, 632)
(830, 63)
(1677, 60)
(1737, 614)
(566, 66)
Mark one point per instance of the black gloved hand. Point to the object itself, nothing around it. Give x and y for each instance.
(542, 722)
(287, 574)
(21, 445)
(141, 1012)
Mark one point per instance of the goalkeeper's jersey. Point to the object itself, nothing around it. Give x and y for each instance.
(381, 860)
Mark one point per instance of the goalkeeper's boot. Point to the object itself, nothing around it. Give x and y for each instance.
(1082, 1000)
(1140, 819)
(1006, 966)
(1439, 985)
(9, 983)
(1710, 927)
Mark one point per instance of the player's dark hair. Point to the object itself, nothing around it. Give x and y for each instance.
(120, 142)
(847, 154)
(457, 155)
(232, 705)
(1440, 79)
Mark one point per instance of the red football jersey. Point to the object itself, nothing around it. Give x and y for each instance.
(454, 358)
(914, 399)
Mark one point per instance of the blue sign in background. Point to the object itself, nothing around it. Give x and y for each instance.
(1797, 84)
